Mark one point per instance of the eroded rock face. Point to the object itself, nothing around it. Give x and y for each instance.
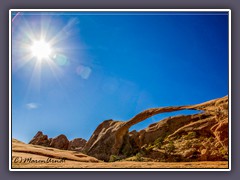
(208, 136)
(60, 142)
(113, 138)
(101, 142)
(77, 144)
(220, 130)
(40, 139)
(167, 127)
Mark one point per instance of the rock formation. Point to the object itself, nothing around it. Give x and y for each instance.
(77, 144)
(199, 137)
(47, 157)
(59, 142)
(40, 139)
(113, 137)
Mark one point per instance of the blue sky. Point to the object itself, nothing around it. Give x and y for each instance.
(112, 66)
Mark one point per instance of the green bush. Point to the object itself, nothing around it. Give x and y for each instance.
(139, 157)
(169, 148)
(191, 135)
(159, 142)
(211, 139)
(224, 153)
(150, 147)
(114, 158)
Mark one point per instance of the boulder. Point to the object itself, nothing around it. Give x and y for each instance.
(40, 139)
(59, 142)
(205, 153)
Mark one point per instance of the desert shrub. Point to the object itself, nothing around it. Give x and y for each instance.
(191, 135)
(202, 138)
(159, 142)
(158, 145)
(211, 139)
(127, 150)
(139, 157)
(224, 153)
(169, 148)
(114, 158)
(178, 136)
(150, 147)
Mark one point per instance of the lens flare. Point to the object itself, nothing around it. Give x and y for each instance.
(83, 71)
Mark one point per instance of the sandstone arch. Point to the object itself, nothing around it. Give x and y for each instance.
(110, 136)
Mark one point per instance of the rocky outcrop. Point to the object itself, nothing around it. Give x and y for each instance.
(113, 137)
(59, 142)
(101, 142)
(167, 127)
(40, 139)
(35, 156)
(220, 130)
(202, 136)
(205, 139)
(77, 144)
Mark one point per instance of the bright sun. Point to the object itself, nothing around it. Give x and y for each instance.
(41, 49)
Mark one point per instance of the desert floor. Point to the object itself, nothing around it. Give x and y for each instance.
(39, 155)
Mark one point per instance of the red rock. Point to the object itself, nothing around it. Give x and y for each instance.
(40, 139)
(77, 144)
(60, 142)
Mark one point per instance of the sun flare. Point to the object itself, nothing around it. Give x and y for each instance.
(41, 49)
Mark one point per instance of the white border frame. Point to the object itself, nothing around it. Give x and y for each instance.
(118, 10)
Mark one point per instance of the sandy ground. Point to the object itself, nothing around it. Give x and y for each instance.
(30, 156)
